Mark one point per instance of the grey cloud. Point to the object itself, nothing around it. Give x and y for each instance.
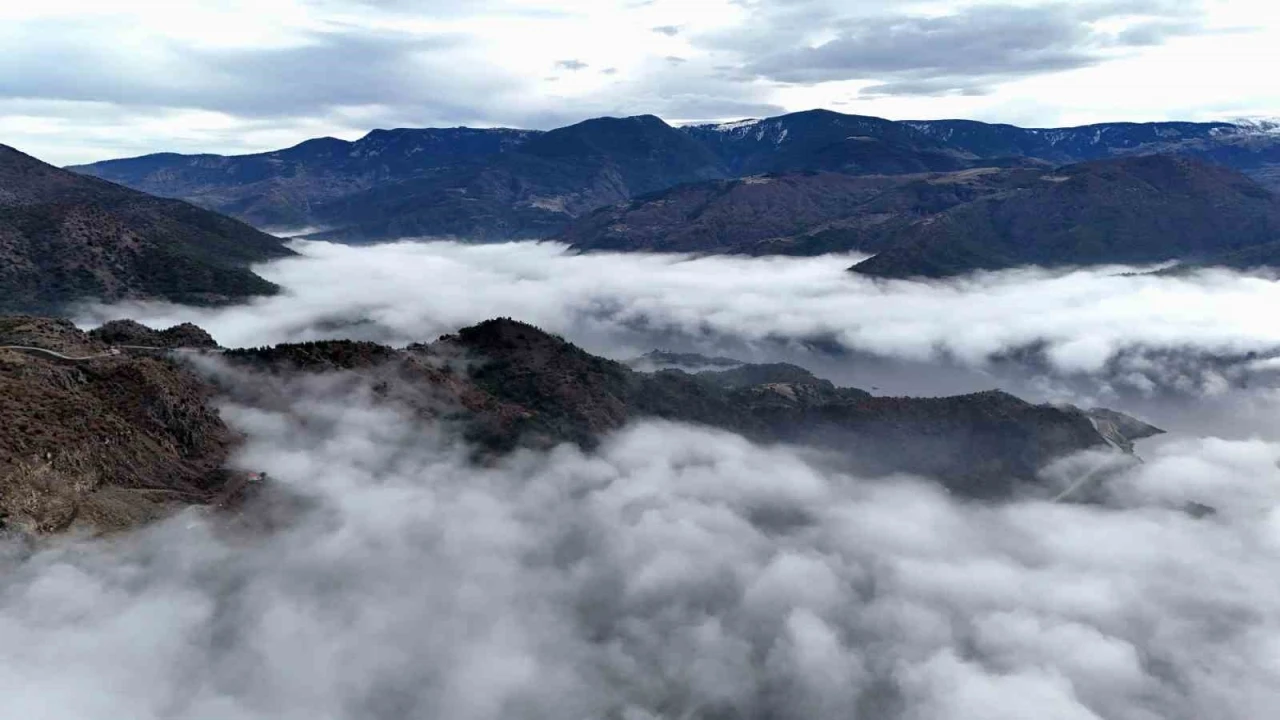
(967, 51)
(668, 30)
(675, 60)
(438, 8)
(346, 68)
(341, 81)
(933, 86)
(1155, 32)
(609, 71)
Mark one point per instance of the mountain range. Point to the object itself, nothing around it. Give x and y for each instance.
(65, 236)
(495, 184)
(110, 441)
(1132, 210)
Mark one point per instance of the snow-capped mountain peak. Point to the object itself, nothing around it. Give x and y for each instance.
(735, 125)
(1258, 125)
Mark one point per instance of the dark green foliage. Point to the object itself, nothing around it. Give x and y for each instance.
(315, 355)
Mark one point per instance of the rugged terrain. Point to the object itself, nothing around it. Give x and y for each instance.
(64, 237)
(502, 184)
(101, 444)
(116, 440)
(1145, 209)
(509, 384)
(1140, 209)
(787, 213)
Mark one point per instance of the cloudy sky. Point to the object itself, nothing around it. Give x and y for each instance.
(82, 80)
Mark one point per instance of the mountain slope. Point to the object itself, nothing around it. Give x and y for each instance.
(103, 444)
(786, 214)
(1066, 145)
(1141, 209)
(529, 191)
(110, 441)
(723, 215)
(484, 184)
(825, 140)
(64, 237)
(280, 188)
(514, 385)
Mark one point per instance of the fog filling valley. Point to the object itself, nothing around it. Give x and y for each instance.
(683, 572)
(1139, 332)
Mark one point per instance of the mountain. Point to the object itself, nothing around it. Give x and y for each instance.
(724, 215)
(514, 385)
(64, 237)
(280, 188)
(478, 184)
(1141, 209)
(495, 184)
(1067, 145)
(530, 191)
(825, 140)
(101, 444)
(784, 214)
(1132, 209)
(98, 440)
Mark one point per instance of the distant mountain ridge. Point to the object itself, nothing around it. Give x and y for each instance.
(1138, 209)
(280, 188)
(495, 184)
(1130, 210)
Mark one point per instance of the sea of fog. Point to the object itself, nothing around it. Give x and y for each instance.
(1104, 336)
(681, 572)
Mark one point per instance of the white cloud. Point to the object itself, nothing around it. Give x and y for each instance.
(287, 70)
(639, 582)
(410, 292)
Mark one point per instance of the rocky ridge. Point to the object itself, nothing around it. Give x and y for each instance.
(115, 441)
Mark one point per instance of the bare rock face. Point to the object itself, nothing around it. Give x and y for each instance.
(101, 444)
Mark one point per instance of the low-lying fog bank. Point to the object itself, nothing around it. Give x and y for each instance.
(1103, 336)
(681, 572)
(677, 573)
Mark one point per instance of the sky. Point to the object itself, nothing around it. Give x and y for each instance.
(82, 80)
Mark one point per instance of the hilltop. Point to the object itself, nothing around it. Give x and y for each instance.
(66, 237)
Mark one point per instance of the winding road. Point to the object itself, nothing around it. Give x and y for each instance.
(112, 352)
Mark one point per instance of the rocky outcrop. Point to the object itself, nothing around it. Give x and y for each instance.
(102, 444)
(66, 237)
